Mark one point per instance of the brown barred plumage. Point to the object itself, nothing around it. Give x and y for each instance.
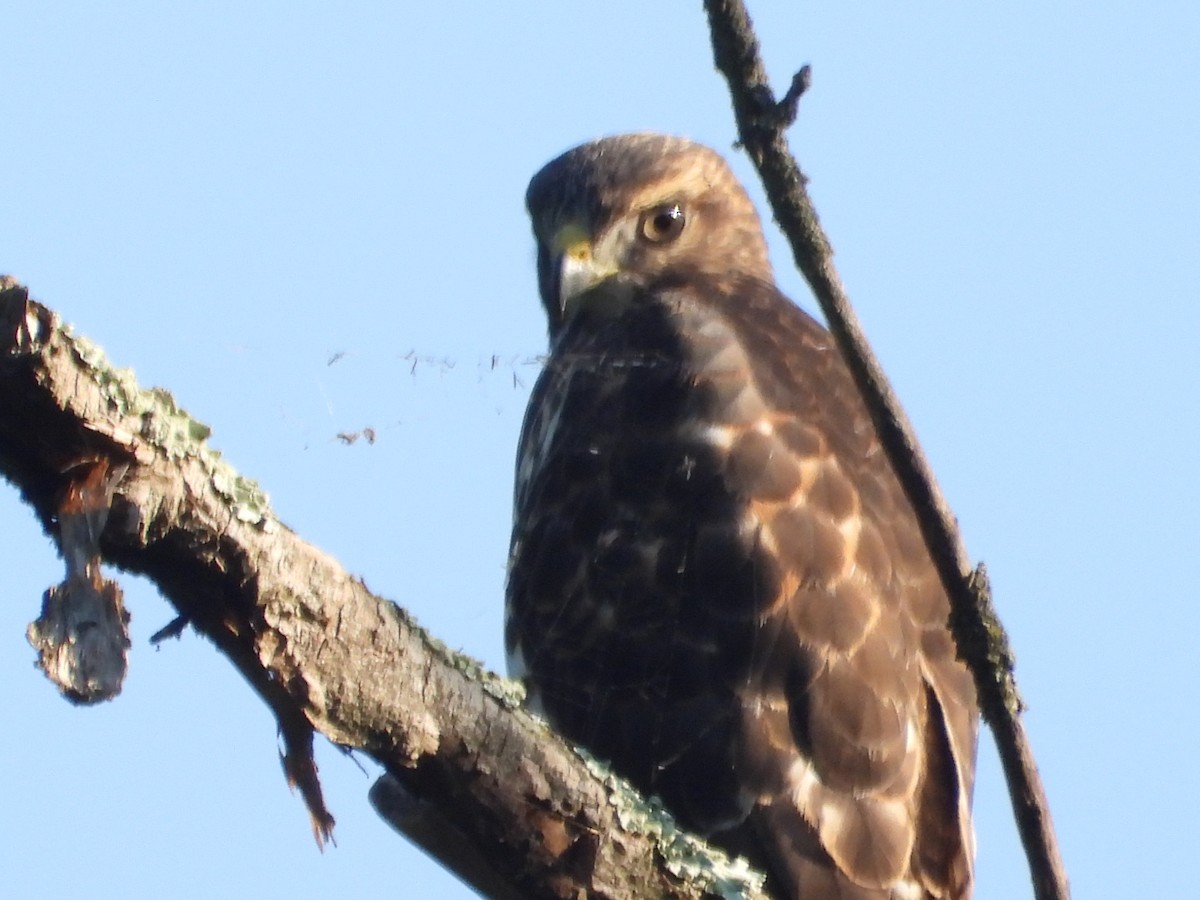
(716, 582)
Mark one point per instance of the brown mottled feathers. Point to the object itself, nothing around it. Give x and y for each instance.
(716, 581)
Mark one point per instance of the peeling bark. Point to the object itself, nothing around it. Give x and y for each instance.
(526, 813)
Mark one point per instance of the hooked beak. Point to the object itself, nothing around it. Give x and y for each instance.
(577, 266)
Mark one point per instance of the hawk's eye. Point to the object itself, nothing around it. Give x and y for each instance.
(662, 224)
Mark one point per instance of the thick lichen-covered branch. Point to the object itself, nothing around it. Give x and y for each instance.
(982, 642)
(532, 817)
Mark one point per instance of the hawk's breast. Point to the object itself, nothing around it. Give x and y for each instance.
(716, 581)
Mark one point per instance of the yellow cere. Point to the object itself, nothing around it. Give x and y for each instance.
(574, 241)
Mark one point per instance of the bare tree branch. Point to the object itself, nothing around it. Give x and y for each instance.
(762, 123)
(526, 814)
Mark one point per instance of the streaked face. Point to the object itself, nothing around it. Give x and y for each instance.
(626, 212)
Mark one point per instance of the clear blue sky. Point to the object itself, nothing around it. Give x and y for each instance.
(226, 195)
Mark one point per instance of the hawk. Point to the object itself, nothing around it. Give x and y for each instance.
(716, 582)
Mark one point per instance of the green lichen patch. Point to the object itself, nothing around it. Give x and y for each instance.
(169, 428)
(684, 854)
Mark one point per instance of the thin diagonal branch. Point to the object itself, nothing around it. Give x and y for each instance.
(761, 123)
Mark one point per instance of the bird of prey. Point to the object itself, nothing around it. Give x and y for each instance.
(716, 582)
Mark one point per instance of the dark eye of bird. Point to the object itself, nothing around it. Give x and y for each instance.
(663, 224)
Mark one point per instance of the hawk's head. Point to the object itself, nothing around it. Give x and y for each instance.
(635, 211)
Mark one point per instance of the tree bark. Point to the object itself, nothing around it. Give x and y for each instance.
(124, 475)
